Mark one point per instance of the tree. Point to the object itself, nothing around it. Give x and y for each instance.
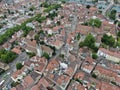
(94, 56)
(46, 55)
(19, 66)
(88, 6)
(14, 84)
(45, 4)
(81, 44)
(32, 8)
(118, 24)
(78, 36)
(37, 37)
(63, 1)
(49, 88)
(89, 41)
(95, 22)
(112, 15)
(94, 75)
(31, 54)
(7, 56)
(108, 40)
(118, 34)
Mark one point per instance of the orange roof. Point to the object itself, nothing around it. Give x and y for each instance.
(52, 65)
(31, 43)
(105, 71)
(35, 88)
(18, 72)
(16, 50)
(80, 75)
(27, 81)
(106, 86)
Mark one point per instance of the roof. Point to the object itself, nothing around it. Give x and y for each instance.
(6, 45)
(39, 63)
(27, 82)
(107, 72)
(18, 72)
(75, 86)
(115, 54)
(32, 43)
(16, 50)
(79, 75)
(106, 86)
(46, 49)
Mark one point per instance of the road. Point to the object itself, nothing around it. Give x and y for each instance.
(22, 57)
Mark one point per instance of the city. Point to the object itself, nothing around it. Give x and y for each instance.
(59, 44)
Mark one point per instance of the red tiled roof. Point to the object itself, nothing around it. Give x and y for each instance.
(16, 50)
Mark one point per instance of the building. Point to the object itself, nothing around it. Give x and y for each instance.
(109, 55)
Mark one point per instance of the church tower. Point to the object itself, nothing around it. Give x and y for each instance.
(39, 50)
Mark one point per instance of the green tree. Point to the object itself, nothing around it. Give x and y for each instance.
(31, 54)
(94, 56)
(112, 15)
(118, 34)
(118, 24)
(32, 8)
(108, 40)
(37, 37)
(7, 56)
(88, 6)
(89, 41)
(46, 55)
(19, 66)
(95, 22)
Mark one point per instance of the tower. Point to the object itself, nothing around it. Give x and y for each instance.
(39, 50)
